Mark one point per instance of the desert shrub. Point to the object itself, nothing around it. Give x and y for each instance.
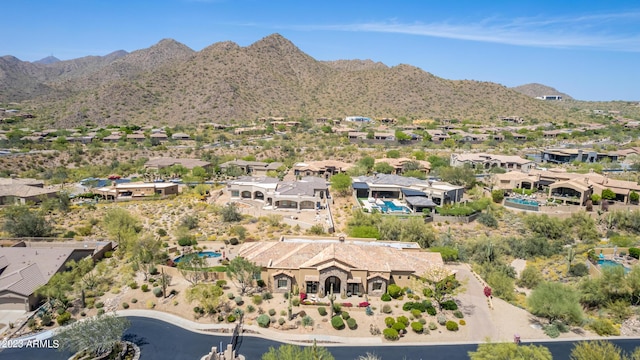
(263, 320)
(390, 334)
(449, 305)
(394, 291)
(441, 319)
(431, 311)
(452, 325)
(352, 324)
(385, 297)
(230, 296)
(337, 322)
(403, 319)
(337, 308)
(604, 327)
(281, 321)
(462, 322)
(144, 288)
(45, 319)
(295, 302)
(64, 318)
(267, 296)
(432, 326)
(221, 283)
(272, 312)
(100, 312)
(579, 269)
(238, 300)
(422, 321)
(233, 241)
(99, 305)
(307, 321)
(150, 304)
(125, 305)
(634, 252)
(251, 308)
(416, 313)
(257, 299)
(368, 311)
(322, 311)
(398, 326)
(133, 285)
(417, 327)
(231, 318)
(345, 315)
(389, 321)
(153, 271)
(157, 292)
(386, 309)
(134, 300)
(551, 331)
(458, 314)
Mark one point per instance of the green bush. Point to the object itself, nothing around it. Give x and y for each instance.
(272, 312)
(295, 301)
(307, 320)
(352, 324)
(497, 196)
(432, 326)
(452, 325)
(431, 311)
(604, 327)
(268, 296)
(145, 288)
(263, 320)
(281, 321)
(449, 305)
(394, 291)
(386, 309)
(230, 296)
(389, 321)
(322, 311)
(134, 300)
(257, 299)
(551, 331)
(345, 315)
(579, 269)
(45, 319)
(634, 252)
(157, 292)
(458, 314)
(462, 322)
(390, 334)
(100, 312)
(403, 319)
(251, 308)
(99, 305)
(133, 285)
(416, 313)
(125, 305)
(231, 318)
(63, 318)
(337, 322)
(398, 326)
(238, 300)
(385, 297)
(417, 327)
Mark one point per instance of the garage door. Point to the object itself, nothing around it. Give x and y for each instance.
(11, 303)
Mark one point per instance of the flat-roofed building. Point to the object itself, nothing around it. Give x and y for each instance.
(164, 162)
(136, 190)
(489, 161)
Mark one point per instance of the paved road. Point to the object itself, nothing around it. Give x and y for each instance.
(159, 340)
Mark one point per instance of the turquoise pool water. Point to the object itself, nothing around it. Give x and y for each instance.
(523, 201)
(389, 206)
(202, 254)
(610, 263)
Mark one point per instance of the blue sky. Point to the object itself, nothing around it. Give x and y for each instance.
(587, 49)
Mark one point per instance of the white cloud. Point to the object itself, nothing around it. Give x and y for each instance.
(615, 31)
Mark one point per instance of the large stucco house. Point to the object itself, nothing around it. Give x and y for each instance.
(307, 193)
(348, 266)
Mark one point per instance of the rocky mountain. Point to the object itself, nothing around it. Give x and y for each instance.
(48, 60)
(169, 83)
(536, 90)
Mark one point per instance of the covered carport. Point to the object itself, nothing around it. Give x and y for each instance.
(417, 204)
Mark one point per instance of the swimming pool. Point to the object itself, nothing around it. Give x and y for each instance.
(389, 206)
(523, 201)
(606, 263)
(202, 254)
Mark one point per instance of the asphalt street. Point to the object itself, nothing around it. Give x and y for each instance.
(159, 340)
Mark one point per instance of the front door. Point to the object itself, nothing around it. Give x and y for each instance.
(332, 282)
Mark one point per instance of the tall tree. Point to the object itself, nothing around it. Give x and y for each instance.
(555, 301)
(98, 335)
(243, 272)
(341, 183)
(209, 296)
(122, 227)
(20, 221)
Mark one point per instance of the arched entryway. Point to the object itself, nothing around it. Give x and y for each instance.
(332, 282)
